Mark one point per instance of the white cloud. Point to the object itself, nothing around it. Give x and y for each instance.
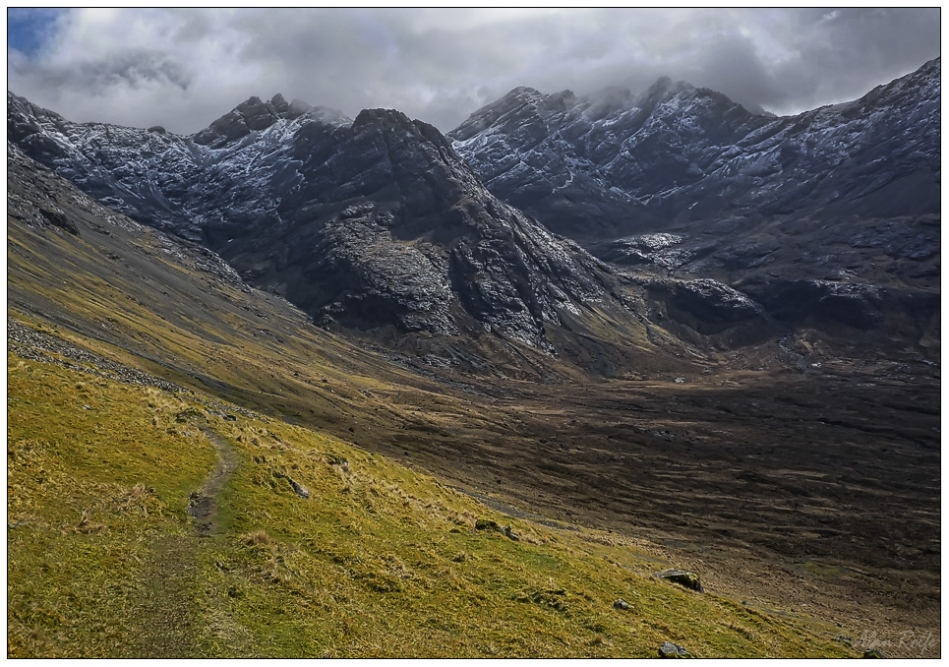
(183, 68)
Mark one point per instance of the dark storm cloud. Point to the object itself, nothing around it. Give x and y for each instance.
(732, 65)
(183, 68)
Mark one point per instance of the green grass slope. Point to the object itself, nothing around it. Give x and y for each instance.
(379, 560)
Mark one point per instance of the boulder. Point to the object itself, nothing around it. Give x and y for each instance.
(298, 488)
(488, 524)
(670, 650)
(689, 580)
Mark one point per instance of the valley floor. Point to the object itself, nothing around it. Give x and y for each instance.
(816, 487)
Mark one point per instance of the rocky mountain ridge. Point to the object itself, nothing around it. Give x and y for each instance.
(371, 223)
(382, 223)
(172, 182)
(610, 164)
(827, 218)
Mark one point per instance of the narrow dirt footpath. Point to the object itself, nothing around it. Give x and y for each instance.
(169, 626)
(203, 505)
(166, 624)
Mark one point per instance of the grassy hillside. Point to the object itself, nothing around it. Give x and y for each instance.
(379, 560)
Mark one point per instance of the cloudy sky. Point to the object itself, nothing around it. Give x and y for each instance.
(182, 68)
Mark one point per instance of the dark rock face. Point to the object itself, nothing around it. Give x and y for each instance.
(368, 224)
(857, 306)
(713, 302)
(388, 225)
(610, 164)
(59, 219)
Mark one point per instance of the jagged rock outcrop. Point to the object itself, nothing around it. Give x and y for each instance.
(387, 224)
(661, 250)
(254, 115)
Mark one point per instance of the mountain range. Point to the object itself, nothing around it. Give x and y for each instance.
(375, 222)
(693, 207)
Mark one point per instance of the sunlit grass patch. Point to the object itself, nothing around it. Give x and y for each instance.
(95, 471)
(383, 561)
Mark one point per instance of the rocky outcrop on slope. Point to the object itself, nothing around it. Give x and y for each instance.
(705, 311)
(661, 250)
(31, 344)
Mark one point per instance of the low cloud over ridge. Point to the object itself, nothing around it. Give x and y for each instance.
(183, 68)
